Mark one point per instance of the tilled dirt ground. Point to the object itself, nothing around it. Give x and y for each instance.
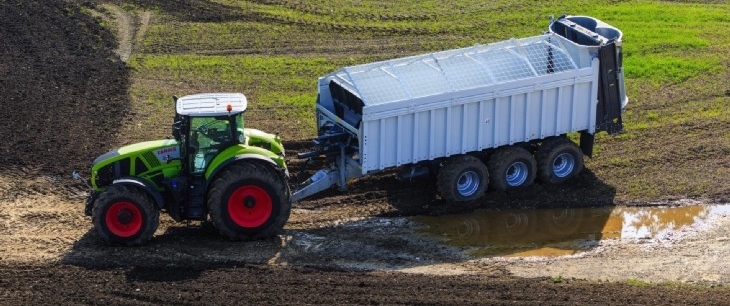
(344, 253)
(66, 93)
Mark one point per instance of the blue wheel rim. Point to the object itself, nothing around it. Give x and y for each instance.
(467, 184)
(517, 174)
(563, 165)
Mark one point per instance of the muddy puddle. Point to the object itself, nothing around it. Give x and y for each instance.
(559, 232)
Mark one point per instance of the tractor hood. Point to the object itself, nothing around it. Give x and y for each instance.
(166, 148)
(151, 160)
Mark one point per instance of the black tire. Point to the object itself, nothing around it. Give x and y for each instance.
(462, 179)
(511, 167)
(558, 159)
(249, 201)
(125, 215)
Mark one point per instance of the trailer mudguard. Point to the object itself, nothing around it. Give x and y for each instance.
(586, 143)
(608, 114)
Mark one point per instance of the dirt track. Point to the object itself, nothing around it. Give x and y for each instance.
(66, 94)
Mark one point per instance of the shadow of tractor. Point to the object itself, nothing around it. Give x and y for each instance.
(379, 243)
(189, 248)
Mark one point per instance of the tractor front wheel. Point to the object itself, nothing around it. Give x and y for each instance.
(125, 215)
(249, 201)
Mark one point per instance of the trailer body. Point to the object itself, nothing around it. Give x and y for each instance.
(415, 111)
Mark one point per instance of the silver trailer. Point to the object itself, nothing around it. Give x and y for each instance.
(487, 116)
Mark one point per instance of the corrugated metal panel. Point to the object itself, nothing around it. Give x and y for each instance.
(465, 100)
(426, 129)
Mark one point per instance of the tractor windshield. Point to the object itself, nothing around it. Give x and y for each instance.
(209, 136)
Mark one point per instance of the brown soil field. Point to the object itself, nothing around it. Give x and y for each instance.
(65, 97)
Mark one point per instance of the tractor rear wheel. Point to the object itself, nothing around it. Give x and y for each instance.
(249, 201)
(125, 215)
(462, 179)
(511, 167)
(558, 159)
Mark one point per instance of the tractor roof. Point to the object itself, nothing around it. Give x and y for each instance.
(211, 104)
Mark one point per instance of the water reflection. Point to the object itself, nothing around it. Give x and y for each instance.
(556, 232)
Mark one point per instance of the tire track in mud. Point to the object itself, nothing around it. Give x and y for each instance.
(335, 47)
(144, 22)
(130, 28)
(125, 32)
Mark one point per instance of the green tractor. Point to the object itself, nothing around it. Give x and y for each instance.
(213, 167)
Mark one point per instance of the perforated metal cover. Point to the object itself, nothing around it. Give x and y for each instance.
(211, 104)
(456, 70)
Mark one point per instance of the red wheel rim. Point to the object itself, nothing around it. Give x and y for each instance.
(124, 219)
(250, 206)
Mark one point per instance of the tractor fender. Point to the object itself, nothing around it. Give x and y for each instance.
(282, 172)
(144, 185)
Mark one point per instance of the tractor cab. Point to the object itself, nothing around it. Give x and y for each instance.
(205, 125)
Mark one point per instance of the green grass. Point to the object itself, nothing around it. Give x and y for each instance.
(280, 75)
(663, 68)
(662, 43)
(282, 87)
(669, 43)
(556, 279)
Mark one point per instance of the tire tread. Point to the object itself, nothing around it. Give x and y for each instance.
(139, 197)
(450, 172)
(502, 158)
(260, 174)
(546, 153)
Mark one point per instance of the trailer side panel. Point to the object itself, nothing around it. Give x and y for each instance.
(493, 118)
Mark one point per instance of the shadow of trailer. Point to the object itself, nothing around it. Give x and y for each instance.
(488, 116)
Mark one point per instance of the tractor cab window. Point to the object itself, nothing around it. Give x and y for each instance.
(208, 137)
(240, 138)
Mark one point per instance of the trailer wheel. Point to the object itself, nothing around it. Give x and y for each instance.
(125, 215)
(511, 167)
(248, 201)
(462, 179)
(558, 159)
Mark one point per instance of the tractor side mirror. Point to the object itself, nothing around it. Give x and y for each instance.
(176, 130)
(176, 125)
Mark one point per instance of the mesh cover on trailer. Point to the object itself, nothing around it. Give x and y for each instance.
(456, 70)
